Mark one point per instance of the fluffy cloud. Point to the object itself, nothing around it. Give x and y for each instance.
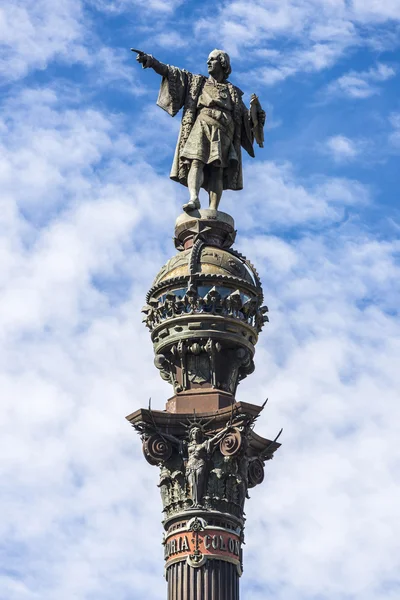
(286, 201)
(160, 7)
(37, 34)
(361, 84)
(319, 33)
(34, 33)
(342, 148)
(367, 10)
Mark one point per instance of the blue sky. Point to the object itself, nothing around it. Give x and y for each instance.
(86, 222)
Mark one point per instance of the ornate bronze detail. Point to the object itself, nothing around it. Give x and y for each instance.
(156, 449)
(196, 525)
(195, 256)
(204, 467)
(204, 311)
(255, 472)
(231, 443)
(236, 305)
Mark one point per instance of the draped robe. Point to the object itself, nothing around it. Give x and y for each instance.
(182, 89)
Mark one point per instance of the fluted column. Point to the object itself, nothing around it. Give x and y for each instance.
(203, 555)
(215, 580)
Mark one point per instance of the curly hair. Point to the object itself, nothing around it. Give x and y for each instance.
(225, 61)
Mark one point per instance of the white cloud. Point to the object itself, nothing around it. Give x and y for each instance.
(34, 32)
(381, 72)
(273, 75)
(374, 10)
(361, 84)
(300, 36)
(170, 39)
(287, 201)
(158, 7)
(342, 148)
(353, 86)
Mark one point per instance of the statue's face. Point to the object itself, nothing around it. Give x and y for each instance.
(195, 434)
(214, 65)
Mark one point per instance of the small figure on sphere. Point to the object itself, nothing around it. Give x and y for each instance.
(215, 126)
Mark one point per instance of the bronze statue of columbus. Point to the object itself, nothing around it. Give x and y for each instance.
(215, 126)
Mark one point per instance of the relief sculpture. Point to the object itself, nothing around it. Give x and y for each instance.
(204, 470)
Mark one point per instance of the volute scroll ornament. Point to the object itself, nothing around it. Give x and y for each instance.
(156, 449)
(231, 443)
(255, 472)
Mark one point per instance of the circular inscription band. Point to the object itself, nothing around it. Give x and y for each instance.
(198, 546)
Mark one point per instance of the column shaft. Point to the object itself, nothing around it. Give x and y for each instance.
(215, 580)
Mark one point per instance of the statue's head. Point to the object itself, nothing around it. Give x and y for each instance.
(195, 434)
(219, 63)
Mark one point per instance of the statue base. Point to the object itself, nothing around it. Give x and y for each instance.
(213, 227)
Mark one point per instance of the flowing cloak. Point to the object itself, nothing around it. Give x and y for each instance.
(180, 88)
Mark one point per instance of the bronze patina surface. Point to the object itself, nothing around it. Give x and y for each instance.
(216, 125)
(205, 311)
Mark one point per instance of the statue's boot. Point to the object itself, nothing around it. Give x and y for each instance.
(192, 205)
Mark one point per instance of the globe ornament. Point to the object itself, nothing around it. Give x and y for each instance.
(205, 310)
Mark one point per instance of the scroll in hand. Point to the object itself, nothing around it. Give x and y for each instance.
(257, 117)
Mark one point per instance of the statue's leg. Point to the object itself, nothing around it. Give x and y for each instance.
(201, 479)
(195, 488)
(195, 181)
(191, 479)
(216, 186)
